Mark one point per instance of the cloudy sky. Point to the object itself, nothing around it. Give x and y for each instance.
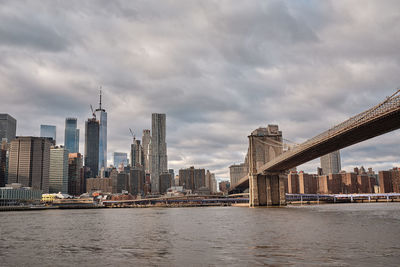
(218, 69)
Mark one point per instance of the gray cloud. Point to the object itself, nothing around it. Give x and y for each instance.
(218, 69)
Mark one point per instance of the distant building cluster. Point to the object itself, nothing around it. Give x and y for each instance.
(357, 182)
(42, 164)
(224, 186)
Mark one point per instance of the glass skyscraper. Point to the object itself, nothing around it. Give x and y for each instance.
(48, 131)
(8, 126)
(101, 115)
(159, 163)
(71, 136)
(119, 158)
(92, 146)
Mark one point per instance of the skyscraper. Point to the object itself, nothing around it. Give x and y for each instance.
(71, 136)
(29, 162)
(159, 162)
(137, 157)
(172, 174)
(48, 131)
(119, 158)
(58, 172)
(75, 174)
(330, 163)
(8, 127)
(76, 141)
(146, 140)
(101, 115)
(92, 127)
(3, 162)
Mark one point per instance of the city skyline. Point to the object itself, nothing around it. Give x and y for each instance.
(214, 93)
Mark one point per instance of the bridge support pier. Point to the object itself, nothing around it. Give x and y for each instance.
(267, 190)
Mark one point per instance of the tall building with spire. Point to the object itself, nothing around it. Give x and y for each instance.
(159, 163)
(101, 115)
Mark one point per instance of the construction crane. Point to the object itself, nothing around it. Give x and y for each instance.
(133, 135)
(93, 113)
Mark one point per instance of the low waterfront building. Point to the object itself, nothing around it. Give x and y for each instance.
(16, 194)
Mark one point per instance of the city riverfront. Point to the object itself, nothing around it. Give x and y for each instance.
(199, 133)
(323, 235)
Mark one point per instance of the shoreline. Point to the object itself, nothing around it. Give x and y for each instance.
(294, 203)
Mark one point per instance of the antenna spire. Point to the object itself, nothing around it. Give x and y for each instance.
(100, 99)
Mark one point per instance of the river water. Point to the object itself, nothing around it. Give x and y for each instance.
(330, 235)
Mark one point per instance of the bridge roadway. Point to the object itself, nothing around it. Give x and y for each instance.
(376, 121)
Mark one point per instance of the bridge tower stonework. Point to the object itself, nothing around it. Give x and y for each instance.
(266, 189)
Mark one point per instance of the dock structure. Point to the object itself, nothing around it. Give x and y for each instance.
(336, 198)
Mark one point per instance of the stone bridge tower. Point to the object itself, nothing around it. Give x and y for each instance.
(266, 189)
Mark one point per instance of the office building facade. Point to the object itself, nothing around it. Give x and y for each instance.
(159, 163)
(137, 156)
(29, 162)
(330, 163)
(146, 144)
(3, 163)
(120, 158)
(49, 131)
(165, 182)
(8, 127)
(192, 178)
(58, 172)
(71, 135)
(99, 184)
(75, 174)
(136, 181)
(92, 127)
(237, 172)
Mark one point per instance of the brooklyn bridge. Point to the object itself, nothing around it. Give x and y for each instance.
(268, 163)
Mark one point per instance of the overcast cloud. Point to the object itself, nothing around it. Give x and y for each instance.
(218, 69)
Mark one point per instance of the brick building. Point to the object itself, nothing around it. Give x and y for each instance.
(99, 184)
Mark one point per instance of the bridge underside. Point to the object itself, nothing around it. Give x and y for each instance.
(368, 130)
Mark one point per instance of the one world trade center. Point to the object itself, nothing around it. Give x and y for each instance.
(101, 115)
